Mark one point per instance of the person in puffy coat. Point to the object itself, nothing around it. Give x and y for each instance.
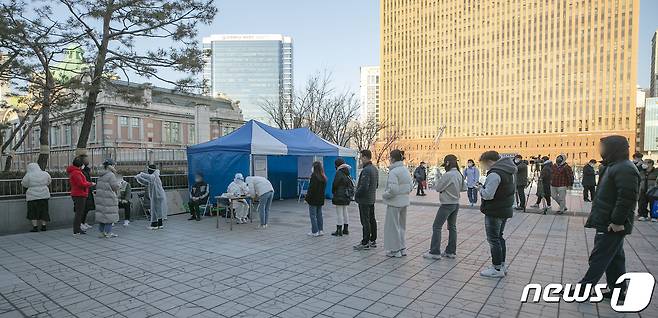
(79, 192)
(315, 199)
(342, 189)
(37, 181)
(396, 197)
(106, 199)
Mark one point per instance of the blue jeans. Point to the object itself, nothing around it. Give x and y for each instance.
(315, 212)
(264, 206)
(446, 212)
(472, 195)
(105, 227)
(494, 227)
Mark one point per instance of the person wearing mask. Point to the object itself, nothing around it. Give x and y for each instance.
(561, 179)
(544, 184)
(315, 199)
(497, 194)
(90, 205)
(589, 181)
(79, 192)
(521, 181)
(396, 197)
(239, 188)
(36, 181)
(260, 188)
(365, 195)
(648, 178)
(472, 175)
(125, 195)
(157, 196)
(343, 191)
(198, 196)
(612, 214)
(638, 161)
(107, 202)
(420, 175)
(449, 186)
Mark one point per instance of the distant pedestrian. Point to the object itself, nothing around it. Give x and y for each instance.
(497, 201)
(544, 184)
(561, 180)
(90, 204)
(420, 175)
(521, 181)
(396, 197)
(36, 181)
(612, 214)
(648, 178)
(107, 201)
(589, 181)
(157, 196)
(125, 197)
(343, 192)
(638, 161)
(260, 188)
(79, 192)
(472, 175)
(315, 197)
(198, 196)
(449, 186)
(365, 195)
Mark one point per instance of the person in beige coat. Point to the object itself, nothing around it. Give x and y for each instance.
(107, 201)
(396, 198)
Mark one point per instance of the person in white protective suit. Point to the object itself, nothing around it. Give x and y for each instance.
(151, 180)
(239, 188)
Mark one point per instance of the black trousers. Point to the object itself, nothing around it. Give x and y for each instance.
(420, 190)
(643, 205)
(588, 192)
(520, 194)
(368, 222)
(79, 204)
(126, 208)
(194, 208)
(607, 257)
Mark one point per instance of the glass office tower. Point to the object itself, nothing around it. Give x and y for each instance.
(250, 68)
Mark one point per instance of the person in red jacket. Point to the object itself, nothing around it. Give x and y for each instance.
(561, 179)
(79, 192)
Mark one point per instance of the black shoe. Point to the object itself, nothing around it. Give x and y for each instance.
(34, 229)
(198, 218)
(191, 218)
(339, 231)
(519, 208)
(587, 200)
(345, 231)
(159, 222)
(43, 228)
(373, 244)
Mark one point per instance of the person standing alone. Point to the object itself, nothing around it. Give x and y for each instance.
(521, 181)
(343, 190)
(561, 179)
(472, 175)
(315, 198)
(396, 198)
(589, 181)
(420, 175)
(612, 214)
(36, 181)
(365, 195)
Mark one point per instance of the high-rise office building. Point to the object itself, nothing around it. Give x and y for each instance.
(530, 77)
(250, 68)
(369, 93)
(653, 84)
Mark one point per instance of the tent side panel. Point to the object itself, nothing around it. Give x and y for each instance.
(282, 173)
(218, 169)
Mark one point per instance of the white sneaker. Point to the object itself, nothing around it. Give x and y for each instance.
(152, 227)
(110, 235)
(492, 272)
(126, 223)
(654, 220)
(84, 226)
(642, 218)
(504, 267)
(313, 234)
(448, 255)
(428, 255)
(396, 254)
(320, 233)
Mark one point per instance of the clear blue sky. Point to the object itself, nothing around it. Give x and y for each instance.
(648, 25)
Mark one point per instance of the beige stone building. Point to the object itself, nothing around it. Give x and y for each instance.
(519, 76)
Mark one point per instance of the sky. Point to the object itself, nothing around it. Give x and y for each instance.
(648, 25)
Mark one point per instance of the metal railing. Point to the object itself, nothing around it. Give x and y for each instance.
(12, 188)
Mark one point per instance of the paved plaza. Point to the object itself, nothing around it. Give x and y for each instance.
(190, 269)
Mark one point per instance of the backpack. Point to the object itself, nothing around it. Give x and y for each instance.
(349, 190)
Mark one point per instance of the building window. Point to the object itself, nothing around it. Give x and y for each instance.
(123, 121)
(67, 135)
(134, 122)
(171, 132)
(191, 137)
(54, 136)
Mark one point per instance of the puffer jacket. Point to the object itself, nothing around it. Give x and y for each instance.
(79, 185)
(398, 186)
(107, 201)
(36, 181)
(366, 188)
(341, 186)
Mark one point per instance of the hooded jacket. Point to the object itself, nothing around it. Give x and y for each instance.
(498, 190)
(107, 202)
(562, 174)
(238, 187)
(546, 173)
(398, 186)
(36, 181)
(157, 195)
(589, 176)
(617, 193)
(522, 173)
(79, 184)
(342, 188)
(449, 186)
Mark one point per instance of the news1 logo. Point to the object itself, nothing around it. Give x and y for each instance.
(638, 293)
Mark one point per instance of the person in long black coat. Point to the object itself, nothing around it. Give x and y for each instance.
(589, 181)
(315, 198)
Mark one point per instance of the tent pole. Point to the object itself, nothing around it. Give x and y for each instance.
(280, 190)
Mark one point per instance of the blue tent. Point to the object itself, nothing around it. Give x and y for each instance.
(257, 149)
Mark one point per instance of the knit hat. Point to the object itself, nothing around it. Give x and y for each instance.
(152, 168)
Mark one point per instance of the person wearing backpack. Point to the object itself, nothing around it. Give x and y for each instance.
(343, 192)
(449, 186)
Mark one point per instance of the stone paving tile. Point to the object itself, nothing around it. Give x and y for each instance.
(194, 270)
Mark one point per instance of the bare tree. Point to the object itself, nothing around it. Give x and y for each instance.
(386, 144)
(113, 27)
(20, 141)
(320, 107)
(365, 134)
